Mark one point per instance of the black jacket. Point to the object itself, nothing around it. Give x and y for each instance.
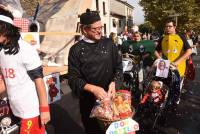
(94, 63)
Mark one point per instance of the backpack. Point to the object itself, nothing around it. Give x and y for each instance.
(190, 70)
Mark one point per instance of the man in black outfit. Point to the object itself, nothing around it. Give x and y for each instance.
(95, 69)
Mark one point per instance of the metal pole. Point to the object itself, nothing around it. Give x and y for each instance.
(176, 19)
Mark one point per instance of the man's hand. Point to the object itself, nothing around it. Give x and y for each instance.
(111, 90)
(98, 92)
(173, 66)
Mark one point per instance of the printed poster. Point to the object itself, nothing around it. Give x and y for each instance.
(52, 84)
(32, 38)
(162, 69)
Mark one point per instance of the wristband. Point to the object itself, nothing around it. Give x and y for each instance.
(44, 108)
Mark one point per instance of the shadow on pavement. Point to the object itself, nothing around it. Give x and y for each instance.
(65, 118)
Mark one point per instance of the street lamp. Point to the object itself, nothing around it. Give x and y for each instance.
(176, 17)
(173, 13)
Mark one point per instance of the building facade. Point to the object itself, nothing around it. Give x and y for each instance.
(103, 6)
(121, 16)
(115, 15)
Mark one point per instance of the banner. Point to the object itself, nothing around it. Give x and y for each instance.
(126, 126)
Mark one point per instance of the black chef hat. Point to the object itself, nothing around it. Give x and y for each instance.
(89, 17)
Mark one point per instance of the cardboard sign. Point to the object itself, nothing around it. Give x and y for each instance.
(126, 126)
(163, 68)
(52, 84)
(32, 38)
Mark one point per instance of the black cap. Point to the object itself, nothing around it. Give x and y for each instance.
(89, 17)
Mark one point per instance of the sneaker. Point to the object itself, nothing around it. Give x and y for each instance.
(178, 101)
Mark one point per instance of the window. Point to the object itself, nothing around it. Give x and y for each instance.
(131, 12)
(104, 29)
(104, 8)
(114, 23)
(120, 23)
(128, 12)
(97, 5)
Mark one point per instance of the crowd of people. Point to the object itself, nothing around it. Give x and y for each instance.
(95, 68)
(93, 52)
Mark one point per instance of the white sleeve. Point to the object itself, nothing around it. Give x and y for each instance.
(30, 57)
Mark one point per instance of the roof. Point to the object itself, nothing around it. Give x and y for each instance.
(126, 3)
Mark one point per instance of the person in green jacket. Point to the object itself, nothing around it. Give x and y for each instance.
(134, 47)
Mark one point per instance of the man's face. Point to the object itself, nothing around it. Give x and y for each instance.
(136, 37)
(94, 31)
(161, 65)
(170, 28)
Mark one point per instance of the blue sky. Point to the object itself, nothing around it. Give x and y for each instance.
(138, 14)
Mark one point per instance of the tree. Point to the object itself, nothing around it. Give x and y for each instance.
(187, 13)
(29, 6)
(147, 27)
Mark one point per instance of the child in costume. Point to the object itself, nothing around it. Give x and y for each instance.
(154, 94)
(23, 76)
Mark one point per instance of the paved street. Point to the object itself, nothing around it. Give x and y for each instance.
(188, 118)
(66, 118)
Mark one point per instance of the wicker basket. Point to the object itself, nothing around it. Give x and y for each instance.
(107, 122)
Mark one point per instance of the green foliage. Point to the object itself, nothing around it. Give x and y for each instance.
(29, 6)
(187, 11)
(147, 27)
